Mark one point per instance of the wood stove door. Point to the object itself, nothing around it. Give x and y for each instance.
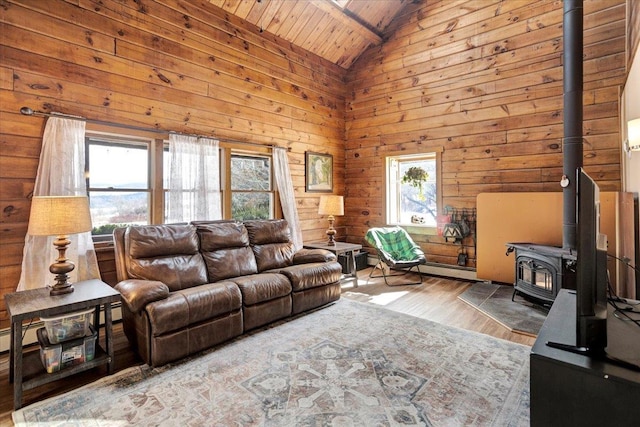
(535, 277)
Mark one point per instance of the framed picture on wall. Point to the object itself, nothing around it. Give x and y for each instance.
(318, 169)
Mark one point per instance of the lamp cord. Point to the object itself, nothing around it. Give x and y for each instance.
(24, 332)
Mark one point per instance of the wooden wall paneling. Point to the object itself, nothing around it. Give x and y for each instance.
(459, 41)
(210, 116)
(181, 66)
(491, 98)
(183, 42)
(20, 16)
(324, 70)
(221, 106)
(6, 78)
(526, 37)
(438, 81)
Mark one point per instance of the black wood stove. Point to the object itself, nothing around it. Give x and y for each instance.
(541, 271)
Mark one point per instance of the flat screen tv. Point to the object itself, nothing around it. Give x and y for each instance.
(591, 272)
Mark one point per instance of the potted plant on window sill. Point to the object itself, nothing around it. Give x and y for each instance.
(415, 176)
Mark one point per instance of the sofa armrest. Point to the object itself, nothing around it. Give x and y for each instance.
(138, 293)
(306, 256)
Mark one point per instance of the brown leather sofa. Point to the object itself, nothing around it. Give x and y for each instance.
(189, 287)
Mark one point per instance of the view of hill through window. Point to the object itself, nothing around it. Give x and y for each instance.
(120, 190)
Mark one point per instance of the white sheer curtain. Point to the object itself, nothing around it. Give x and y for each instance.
(287, 196)
(194, 179)
(60, 173)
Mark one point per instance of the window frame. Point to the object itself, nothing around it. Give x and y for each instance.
(436, 153)
(157, 144)
(155, 192)
(227, 187)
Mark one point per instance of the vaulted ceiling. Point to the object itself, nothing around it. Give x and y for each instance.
(336, 30)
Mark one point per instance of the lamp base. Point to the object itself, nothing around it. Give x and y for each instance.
(61, 290)
(331, 241)
(61, 267)
(331, 232)
(62, 285)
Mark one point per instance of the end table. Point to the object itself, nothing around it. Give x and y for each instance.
(339, 248)
(28, 372)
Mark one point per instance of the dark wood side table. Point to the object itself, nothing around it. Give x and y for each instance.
(28, 372)
(347, 249)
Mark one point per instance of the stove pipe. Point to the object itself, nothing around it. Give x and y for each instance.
(572, 97)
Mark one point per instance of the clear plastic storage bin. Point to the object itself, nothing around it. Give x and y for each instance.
(68, 326)
(73, 352)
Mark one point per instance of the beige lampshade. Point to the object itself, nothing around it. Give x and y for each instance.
(59, 215)
(331, 205)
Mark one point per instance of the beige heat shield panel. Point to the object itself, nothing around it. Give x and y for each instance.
(537, 218)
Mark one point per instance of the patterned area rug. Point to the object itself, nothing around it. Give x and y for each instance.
(348, 364)
(494, 300)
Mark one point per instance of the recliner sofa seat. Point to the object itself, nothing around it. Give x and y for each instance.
(189, 287)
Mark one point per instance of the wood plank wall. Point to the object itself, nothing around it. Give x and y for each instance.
(483, 79)
(171, 65)
(633, 30)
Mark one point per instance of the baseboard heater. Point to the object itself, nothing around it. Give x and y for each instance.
(436, 269)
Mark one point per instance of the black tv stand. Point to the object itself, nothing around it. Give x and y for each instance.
(575, 389)
(598, 354)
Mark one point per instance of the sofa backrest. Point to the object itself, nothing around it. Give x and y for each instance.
(168, 253)
(225, 249)
(271, 243)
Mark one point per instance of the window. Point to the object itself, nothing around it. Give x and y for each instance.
(127, 181)
(118, 183)
(412, 189)
(252, 195)
(340, 3)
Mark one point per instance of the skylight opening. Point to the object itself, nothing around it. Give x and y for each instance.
(341, 3)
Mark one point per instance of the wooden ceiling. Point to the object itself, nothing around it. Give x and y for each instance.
(338, 31)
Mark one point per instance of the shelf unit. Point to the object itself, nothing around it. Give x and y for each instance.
(26, 371)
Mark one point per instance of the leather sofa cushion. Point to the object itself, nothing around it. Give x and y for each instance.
(274, 255)
(226, 251)
(306, 276)
(268, 231)
(150, 241)
(222, 235)
(258, 288)
(177, 272)
(271, 243)
(167, 253)
(227, 263)
(194, 305)
(306, 256)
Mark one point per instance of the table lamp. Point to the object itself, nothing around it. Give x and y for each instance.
(331, 205)
(60, 216)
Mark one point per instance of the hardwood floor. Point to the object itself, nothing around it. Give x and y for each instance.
(436, 299)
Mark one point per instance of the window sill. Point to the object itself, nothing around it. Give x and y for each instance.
(426, 230)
